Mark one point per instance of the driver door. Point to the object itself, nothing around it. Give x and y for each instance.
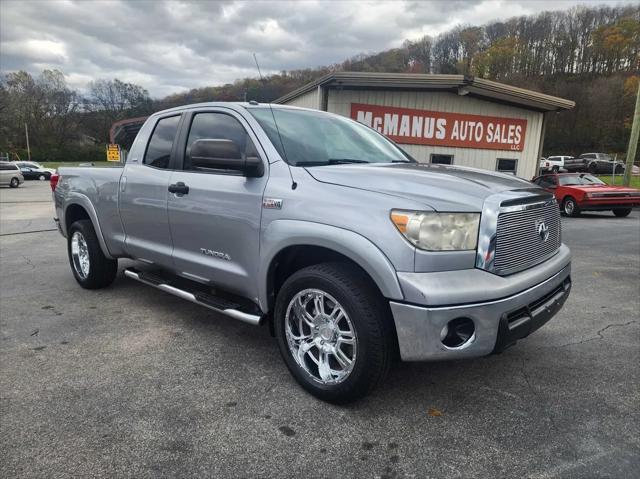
(215, 219)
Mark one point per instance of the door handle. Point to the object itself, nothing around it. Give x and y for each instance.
(179, 188)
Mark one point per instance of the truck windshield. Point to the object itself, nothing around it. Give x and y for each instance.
(317, 138)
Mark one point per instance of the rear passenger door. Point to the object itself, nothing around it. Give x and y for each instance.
(216, 225)
(143, 194)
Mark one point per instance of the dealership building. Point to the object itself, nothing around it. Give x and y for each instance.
(441, 119)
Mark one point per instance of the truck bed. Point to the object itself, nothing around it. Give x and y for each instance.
(97, 188)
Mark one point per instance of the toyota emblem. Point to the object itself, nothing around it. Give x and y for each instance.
(543, 231)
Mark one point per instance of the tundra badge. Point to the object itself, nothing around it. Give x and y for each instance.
(215, 254)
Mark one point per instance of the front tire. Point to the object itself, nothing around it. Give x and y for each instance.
(42, 177)
(91, 268)
(570, 207)
(622, 212)
(334, 331)
(555, 169)
(14, 183)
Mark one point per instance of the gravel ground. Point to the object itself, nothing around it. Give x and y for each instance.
(131, 382)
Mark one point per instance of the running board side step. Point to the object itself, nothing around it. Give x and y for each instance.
(220, 305)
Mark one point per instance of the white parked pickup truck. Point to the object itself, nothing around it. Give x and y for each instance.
(553, 164)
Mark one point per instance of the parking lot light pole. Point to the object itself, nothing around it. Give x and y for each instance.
(633, 141)
(26, 133)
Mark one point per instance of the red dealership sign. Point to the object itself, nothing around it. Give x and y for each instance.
(436, 128)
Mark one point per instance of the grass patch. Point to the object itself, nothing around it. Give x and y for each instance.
(635, 180)
(57, 164)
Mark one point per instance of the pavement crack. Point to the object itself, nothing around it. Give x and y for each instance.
(28, 261)
(27, 232)
(598, 333)
(614, 325)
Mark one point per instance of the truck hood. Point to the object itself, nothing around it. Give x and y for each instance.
(441, 187)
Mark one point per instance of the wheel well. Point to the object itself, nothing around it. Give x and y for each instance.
(73, 214)
(294, 258)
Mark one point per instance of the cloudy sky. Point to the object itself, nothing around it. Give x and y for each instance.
(171, 46)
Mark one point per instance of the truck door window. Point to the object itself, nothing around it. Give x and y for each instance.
(159, 149)
(217, 126)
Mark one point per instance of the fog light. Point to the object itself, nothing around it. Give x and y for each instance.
(457, 332)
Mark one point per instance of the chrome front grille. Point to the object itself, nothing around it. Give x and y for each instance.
(520, 236)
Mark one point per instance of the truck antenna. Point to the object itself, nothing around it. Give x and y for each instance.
(294, 185)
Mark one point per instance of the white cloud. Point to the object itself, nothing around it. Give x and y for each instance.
(170, 46)
(37, 50)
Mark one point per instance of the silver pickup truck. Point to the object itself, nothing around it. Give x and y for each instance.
(352, 252)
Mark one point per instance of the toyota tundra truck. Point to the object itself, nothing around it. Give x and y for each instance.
(351, 252)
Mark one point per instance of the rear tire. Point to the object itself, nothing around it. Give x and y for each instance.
(570, 207)
(342, 360)
(622, 212)
(14, 183)
(42, 177)
(91, 268)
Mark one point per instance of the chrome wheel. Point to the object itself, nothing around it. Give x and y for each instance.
(80, 254)
(320, 336)
(42, 177)
(569, 207)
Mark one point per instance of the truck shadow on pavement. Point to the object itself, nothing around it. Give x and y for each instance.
(443, 387)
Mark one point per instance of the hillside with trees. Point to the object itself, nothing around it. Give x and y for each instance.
(589, 55)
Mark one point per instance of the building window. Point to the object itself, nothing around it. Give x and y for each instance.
(437, 159)
(506, 165)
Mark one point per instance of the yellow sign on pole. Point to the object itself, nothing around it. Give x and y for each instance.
(113, 152)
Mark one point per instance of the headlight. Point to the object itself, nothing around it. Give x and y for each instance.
(438, 231)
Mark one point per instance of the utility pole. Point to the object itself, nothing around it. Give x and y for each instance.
(633, 141)
(26, 133)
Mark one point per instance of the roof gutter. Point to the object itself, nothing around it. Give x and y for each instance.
(463, 84)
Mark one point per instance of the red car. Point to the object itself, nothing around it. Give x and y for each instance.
(577, 192)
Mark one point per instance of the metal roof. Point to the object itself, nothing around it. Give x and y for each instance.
(462, 84)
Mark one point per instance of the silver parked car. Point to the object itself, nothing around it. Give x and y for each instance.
(10, 174)
(322, 228)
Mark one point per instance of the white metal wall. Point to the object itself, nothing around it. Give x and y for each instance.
(339, 101)
(306, 100)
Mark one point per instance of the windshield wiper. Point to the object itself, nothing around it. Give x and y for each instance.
(338, 161)
(331, 161)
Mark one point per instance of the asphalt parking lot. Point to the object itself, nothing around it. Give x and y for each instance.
(130, 381)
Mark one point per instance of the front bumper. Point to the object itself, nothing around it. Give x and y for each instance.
(498, 323)
(609, 204)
